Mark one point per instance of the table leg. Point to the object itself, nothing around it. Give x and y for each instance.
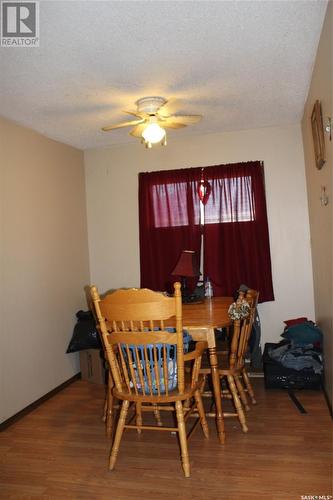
(217, 393)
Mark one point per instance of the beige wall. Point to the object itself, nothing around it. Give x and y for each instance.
(321, 217)
(112, 208)
(43, 263)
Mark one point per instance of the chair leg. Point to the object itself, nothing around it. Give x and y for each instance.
(241, 392)
(182, 438)
(217, 393)
(105, 409)
(249, 387)
(106, 400)
(187, 404)
(237, 403)
(109, 417)
(203, 383)
(109, 407)
(119, 433)
(138, 417)
(157, 416)
(202, 415)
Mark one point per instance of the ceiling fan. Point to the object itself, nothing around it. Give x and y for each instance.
(152, 118)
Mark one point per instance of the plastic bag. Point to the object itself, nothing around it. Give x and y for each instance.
(85, 335)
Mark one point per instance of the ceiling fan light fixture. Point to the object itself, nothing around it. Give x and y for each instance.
(152, 119)
(153, 133)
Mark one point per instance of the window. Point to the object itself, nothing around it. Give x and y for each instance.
(235, 203)
(223, 205)
(169, 215)
(169, 205)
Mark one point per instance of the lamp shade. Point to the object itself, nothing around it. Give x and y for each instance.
(153, 133)
(187, 265)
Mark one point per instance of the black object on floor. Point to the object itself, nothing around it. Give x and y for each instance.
(85, 334)
(278, 376)
(298, 405)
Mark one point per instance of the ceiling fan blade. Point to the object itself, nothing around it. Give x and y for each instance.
(171, 124)
(184, 119)
(137, 131)
(170, 107)
(124, 124)
(135, 113)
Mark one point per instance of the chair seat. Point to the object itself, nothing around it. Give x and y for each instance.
(173, 396)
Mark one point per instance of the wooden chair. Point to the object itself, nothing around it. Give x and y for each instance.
(231, 365)
(147, 361)
(251, 297)
(111, 405)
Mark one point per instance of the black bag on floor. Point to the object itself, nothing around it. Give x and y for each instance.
(85, 335)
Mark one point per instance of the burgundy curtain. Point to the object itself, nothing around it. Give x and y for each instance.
(236, 239)
(169, 220)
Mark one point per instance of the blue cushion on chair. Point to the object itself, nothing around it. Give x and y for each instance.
(171, 353)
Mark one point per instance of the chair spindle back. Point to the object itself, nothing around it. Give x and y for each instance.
(146, 357)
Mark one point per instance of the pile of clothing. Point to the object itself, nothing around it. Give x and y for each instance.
(296, 357)
(301, 347)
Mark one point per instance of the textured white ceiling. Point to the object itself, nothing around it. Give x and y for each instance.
(241, 64)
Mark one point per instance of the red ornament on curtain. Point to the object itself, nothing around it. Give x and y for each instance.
(204, 189)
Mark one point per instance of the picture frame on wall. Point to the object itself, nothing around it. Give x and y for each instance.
(318, 135)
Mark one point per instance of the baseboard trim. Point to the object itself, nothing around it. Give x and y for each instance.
(255, 374)
(38, 402)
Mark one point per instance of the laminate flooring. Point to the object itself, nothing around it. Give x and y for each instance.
(59, 450)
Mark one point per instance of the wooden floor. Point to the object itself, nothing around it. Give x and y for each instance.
(60, 451)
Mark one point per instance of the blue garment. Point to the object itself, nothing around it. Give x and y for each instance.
(297, 357)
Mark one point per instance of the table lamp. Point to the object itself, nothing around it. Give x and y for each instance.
(187, 267)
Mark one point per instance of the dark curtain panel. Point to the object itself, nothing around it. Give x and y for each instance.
(236, 239)
(169, 220)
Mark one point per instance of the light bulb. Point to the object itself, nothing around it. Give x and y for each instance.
(153, 133)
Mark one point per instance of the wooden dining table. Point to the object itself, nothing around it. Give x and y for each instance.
(201, 319)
